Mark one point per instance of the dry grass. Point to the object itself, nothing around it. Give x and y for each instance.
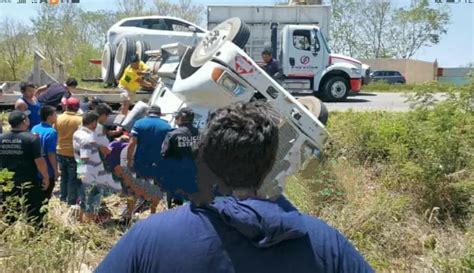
(382, 223)
(64, 245)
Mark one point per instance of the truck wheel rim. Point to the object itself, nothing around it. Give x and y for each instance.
(105, 69)
(213, 40)
(139, 51)
(120, 57)
(338, 89)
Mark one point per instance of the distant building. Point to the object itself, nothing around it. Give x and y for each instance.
(455, 75)
(415, 71)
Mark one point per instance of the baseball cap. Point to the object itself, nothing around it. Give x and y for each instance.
(73, 102)
(185, 113)
(154, 109)
(17, 117)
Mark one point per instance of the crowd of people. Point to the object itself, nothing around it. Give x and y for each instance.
(90, 156)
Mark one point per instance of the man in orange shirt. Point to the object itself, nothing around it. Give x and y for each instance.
(66, 125)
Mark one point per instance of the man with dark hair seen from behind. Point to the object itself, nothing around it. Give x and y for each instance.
(55, 94)
(178, 150)
(66, 125)
(49, 139)
(240, 233)
(20, 152)
(144, 148)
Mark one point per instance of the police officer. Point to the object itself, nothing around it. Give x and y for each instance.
(182, 141)
(20, 153)
(178, 150)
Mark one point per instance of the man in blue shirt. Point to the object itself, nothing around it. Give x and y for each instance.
(147, 136)
(241, 232)
(49, 139)
(144, 148)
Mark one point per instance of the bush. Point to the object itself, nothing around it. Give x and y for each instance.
(426, 152)
(400, 186)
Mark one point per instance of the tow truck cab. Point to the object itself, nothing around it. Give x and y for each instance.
(308, 66)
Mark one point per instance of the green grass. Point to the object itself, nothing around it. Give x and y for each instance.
(400, 186)
(434, 86)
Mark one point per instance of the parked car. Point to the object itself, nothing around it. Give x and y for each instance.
(151, 25)
(389, 76)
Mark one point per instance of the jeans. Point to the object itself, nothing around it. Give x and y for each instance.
(69, 187)
(91, 197)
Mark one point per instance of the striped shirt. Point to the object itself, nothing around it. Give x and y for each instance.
(90, 168)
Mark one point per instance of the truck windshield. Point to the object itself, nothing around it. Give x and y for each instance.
(325, 42)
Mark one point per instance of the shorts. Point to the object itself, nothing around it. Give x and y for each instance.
(126, 95)
(148, 185)
(91, 197)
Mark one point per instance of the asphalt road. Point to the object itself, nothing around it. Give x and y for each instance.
(395, 102)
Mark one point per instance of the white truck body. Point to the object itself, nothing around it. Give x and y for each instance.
(299, 42)
(260, 18)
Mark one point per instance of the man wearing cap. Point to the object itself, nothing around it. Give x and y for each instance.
(144, 148)
(29, 102)
(178, 150)
(66, 125)
(20, 152)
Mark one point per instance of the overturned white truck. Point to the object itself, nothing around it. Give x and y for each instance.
(216, 73)
(138, 34)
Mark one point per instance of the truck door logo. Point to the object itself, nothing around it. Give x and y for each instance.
(304, 59)
(243, 66)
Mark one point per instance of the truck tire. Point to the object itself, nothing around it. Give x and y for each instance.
(125, 49)
(336, 89)
(107, 66)
(316, 107)
(233, 29)
(185, 67)
(142, 47)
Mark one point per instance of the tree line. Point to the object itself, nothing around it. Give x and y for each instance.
(379, 29)
(73, 35)
(359, 28)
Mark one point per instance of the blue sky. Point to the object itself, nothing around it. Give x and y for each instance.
(455, 49)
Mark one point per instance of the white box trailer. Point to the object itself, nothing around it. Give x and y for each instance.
(260, 18)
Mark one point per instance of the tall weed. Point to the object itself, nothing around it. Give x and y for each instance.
(427, 152)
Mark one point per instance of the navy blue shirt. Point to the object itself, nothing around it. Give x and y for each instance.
(178, 171)
(233, 236)
(54, 94)
(272, 67)
(150, 133)
(34, 112)
(49, 139)
(18, 151)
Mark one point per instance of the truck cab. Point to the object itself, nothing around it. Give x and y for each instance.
(308, 66)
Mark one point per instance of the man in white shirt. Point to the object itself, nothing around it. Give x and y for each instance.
(90, 168)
